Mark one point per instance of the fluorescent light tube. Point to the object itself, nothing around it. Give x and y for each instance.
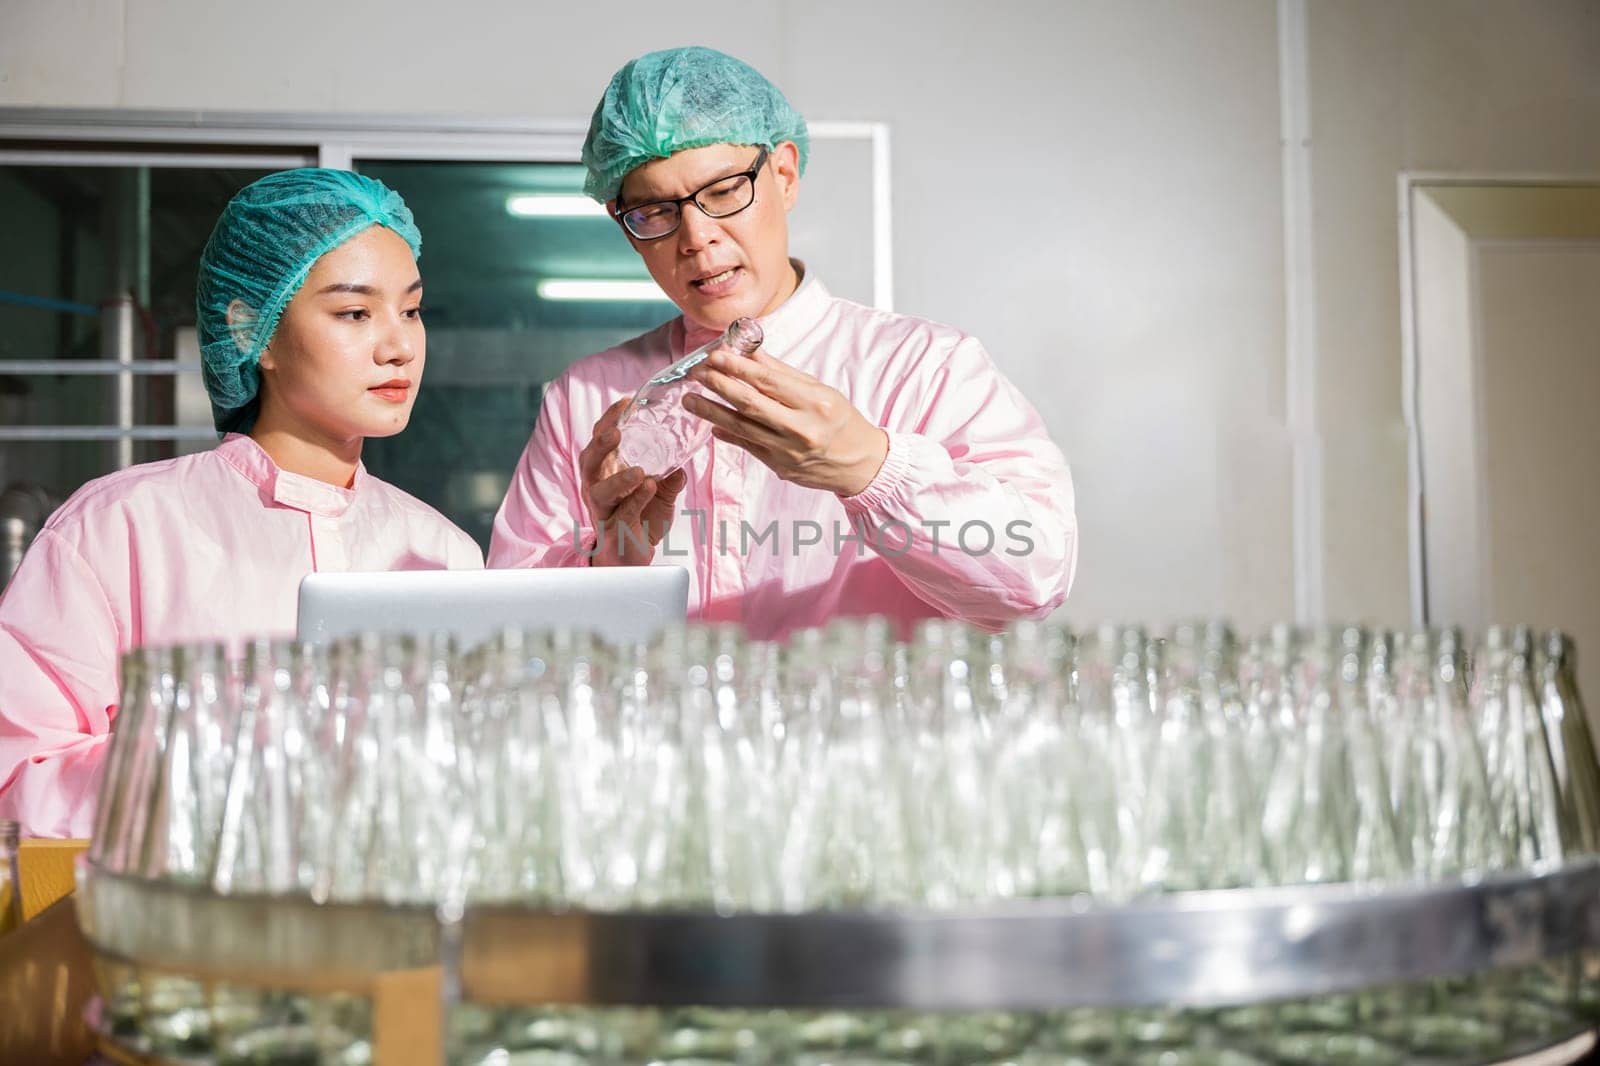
(613, 291)
(553, 205)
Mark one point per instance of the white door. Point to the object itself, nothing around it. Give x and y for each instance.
(1506, 338)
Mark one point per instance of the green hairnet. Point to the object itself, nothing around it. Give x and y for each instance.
(264, 245)
(682, 98)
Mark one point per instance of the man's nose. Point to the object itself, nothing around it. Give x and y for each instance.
(696, 229)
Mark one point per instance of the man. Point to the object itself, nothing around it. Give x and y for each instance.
(862, 462)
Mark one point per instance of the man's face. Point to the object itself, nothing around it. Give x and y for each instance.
(720, 269)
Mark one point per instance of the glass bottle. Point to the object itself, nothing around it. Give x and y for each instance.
(192, 783)
(741, 745)
(1522, 774)
(948, 750)
(808, 700)
(1467, 832)
(1310, 807)
(1234, 797)
(1567, 726)
(1176, 797)
(253, 846)
(1108, 785)
(168, 801)
(10, 882)
(525, 775)
(1278, 743)
(114, 806)
(658, 435)
(1033, 773)
(143, 737)
(490, 695)
(674, 849)
(1378, 850)
(577, 718)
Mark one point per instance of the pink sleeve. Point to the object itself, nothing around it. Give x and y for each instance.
(59, 652)
(543, 521)
(463, 552)
(973, 507)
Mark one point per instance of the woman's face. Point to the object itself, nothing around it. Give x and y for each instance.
(720, 269)
(346, 360)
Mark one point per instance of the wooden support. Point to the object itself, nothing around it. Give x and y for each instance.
(46, 868)
(46, 978)
(408, 1018)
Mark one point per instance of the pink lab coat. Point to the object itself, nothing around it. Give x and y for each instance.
(206, 547)
(965, 450)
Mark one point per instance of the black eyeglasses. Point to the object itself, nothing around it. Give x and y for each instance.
(723, 197)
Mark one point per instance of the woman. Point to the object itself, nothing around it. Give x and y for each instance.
(312, 340)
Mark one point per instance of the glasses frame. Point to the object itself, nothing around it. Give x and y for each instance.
(621, 213)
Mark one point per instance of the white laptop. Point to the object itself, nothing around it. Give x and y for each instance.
(621, 603)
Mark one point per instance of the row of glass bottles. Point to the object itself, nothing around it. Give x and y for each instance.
(844, 768)
(1485, 1018)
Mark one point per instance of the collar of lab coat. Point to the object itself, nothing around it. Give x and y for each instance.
(285, 488)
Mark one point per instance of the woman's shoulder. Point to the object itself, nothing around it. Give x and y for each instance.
(422, 520)
(147, 488)
(393, 497)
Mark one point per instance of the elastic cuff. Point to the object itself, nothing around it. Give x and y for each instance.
(891, 475)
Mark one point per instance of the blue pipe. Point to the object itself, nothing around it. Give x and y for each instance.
(46, 304)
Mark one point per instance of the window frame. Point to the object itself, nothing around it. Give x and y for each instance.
(163, 138)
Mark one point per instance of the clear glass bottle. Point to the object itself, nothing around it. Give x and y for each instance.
(1522, 775)
(658, 435)
(1310, 810)
(1177, 796)
(1109, 779)
(1379, 851)
(674, 847)
(142, 734)
(1235, 793)
(1572, 744)
(254, 852)
(113, 808)
(1467, 834)
(10, 883)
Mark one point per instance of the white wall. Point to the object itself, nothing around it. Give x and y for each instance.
(1092, 187)
(1539, 358)
(1438, 85)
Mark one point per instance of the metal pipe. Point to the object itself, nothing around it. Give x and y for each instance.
(126, 225)
(117, 338)
(14, 434)
(150, 367)
(45, 303)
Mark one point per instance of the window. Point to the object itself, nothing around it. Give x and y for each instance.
(106, 215)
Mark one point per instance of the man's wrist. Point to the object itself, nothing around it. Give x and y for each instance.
(865, 471)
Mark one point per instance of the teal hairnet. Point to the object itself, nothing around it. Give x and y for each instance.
(263, 246)
(682, 98)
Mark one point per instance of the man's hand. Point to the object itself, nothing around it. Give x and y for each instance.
(802, 430)
(631, 511)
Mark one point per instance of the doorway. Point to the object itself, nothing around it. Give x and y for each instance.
(1502, 350)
